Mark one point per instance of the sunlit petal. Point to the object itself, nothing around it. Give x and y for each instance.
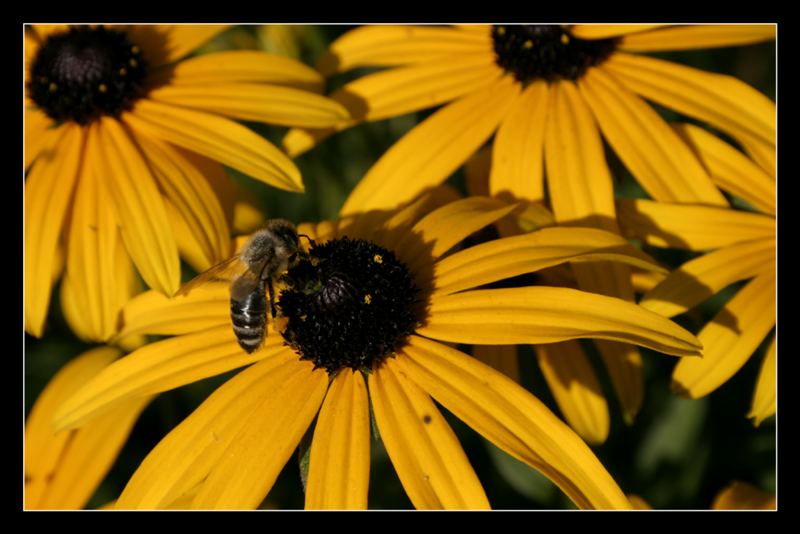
(700, 36)
(765, 395)
(167, 43)
(604, 31)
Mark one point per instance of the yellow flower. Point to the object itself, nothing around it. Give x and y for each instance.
(63, 469)
(737, 245)
(550, 94)
(123, 146)
(370, 318)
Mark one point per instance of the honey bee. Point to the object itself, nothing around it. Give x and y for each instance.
(266, 255)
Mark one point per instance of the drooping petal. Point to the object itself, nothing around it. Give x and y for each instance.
(244, 474)
(762, 152)
(512, 419)
(690, 227)
(245, 66)
(503, 358)
(440, 230)
(517, 167)
(626, 371)
(338, 474)
(700, 278)
(655, 155)
(511, 256)
(432, 150)
(575, 387)
(137, 203)
(162, 43)
(424, 450)
(218, 138)
(193, 198)
(730, 169)
(720, 100)
(729, 339)
(743, 496)
(638, 503)
(577, 173)
(63, 469)
(765, 394)
(399, 45)
(272, 104)
(604, 31)
(48, 190)
(700, 36)
(93, 244)
(186, 455)
(549, 315)
(162, 366)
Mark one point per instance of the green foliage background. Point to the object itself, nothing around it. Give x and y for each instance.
(677, 453)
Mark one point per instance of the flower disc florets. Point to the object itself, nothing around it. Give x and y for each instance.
(86, 72)
(547, 52)
(348, 304)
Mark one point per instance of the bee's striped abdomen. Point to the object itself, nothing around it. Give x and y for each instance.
(249, 317)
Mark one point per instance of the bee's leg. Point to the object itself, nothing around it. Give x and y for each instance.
(271, 291)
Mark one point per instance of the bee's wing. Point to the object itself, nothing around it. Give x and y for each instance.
(223, 271)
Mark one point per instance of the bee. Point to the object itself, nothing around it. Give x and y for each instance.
(267, 254)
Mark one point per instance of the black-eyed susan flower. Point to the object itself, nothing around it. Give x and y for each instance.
(737, 246)
(369, 318)
(124, 141)
(550, 95)
(63, 469)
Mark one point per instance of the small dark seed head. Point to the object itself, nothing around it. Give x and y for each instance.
(345, 308)
(83, 73)
(547, 52)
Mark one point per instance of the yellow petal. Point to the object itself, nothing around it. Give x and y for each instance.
(338, 474)
(626, 371)
(702, 36)
(434, 149)
(512, 419)
(730, 169)
(575, 387)
(138, 204)
(424, 450)
(729, 339)
(511, 256)
(440, 230)
(44, 31)
(644, 281)
(92, 260)
(720, 100)
(399, 45)
(577, 174)
(272, 104)
(502, 358)
(604, 31)
(186, 455)
(517, 168)
(193, 198)
(218, 138)
(40, 133)
(153, 313)
(245, 66)
(163, 43)
(48, 191)
(699, 279)
(743, 496)
(243, 476)
(764, 397)
(638, 503)
(63, 469)
(648, 147)
(162, 366)
(549, 315)
(690, 227)
(762, 152)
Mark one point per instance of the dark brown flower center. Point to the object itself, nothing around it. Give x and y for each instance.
(86, 72)
(547, 52)
(349, 304)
